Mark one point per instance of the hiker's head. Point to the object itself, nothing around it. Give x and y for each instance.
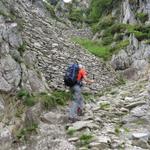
(80, 66)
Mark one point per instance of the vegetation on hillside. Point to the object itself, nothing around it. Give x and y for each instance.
(112, 36)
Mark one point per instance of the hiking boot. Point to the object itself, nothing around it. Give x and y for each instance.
(80, 112)
(73, 120)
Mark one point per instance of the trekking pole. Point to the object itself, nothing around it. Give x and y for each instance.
(93, 88)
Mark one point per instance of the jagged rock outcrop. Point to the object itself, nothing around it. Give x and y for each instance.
(136, 55)
(13, 71)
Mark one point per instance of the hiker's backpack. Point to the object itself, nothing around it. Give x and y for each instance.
(70, 78)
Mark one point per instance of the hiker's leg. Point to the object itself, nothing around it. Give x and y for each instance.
(73, 110)
(74, 104)
(80, 98)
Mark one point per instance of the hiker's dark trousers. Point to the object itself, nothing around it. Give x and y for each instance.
(77, 101)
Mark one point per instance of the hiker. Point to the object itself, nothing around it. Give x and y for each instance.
(76, 107)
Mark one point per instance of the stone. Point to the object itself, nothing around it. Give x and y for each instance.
(135, 104)
(141, 143)
(5, 138)
(30, 58)
(4, 49)
(121, 62)
(140, 111)
(101, 142)
(84, 124)
(36, 83)
(32, 115)
(141, 135)
(74, 139)
(2, 106)
(52, 118)
(15, 39)
(124, 109)
(10, 74)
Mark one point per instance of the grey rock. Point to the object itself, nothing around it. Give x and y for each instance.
(102, 142)
(30, 58)
(53, 118)
(36, 83)
(134, 104)
(15, 39)
(141, 143)
(5, 138)
(10, 73)
(2, 106)
(144, 135)
(84, 124)
(121, 61)
(32, 115)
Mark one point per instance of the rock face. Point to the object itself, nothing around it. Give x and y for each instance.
(12, 67)
(136, 55)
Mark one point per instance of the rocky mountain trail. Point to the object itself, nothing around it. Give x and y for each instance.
(117, 120)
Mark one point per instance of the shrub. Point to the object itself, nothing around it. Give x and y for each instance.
(117, 28)
(120, 80)
(123, 44)
(104, 23)
(85, 139)
(132, 2)
(97, 8)
(119, 37)
(71, 131)
(107, 40)
(50, 8)
(143, 17)
(140, 36)
(25, 132)
(22, 48)
(105, 106)
(27, 98)
(76, 15)
(54, 99)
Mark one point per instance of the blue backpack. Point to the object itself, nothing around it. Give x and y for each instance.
(70, 78)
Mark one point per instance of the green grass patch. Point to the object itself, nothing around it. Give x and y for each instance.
(22, 48)
(47, 99)
(50, 8)
(121, 45)
(127, 130)
(143, 17)
(105, 106)
(139, 122)
(53, 99)
(71, 131)
(76, 15)
(117, 131)
(25, 132)
(104, 23)
(85, 139)
(120, 80)
(27, 98)
(94, 47)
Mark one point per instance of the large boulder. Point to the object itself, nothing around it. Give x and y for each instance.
(10, 74)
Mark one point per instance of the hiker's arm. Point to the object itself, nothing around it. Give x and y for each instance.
(88, 80)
